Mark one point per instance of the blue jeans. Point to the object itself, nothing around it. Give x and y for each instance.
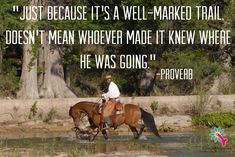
(107, 120)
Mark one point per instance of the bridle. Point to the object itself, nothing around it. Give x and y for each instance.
(90, 113)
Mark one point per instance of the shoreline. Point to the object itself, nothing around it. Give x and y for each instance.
(38, 128)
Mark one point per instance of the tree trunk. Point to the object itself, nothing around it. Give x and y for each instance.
(46, 88)
(147, 83)
(28, 78)
(29, 88)
(57, 72)
(54, 85)
(67, 75)
(51, 80)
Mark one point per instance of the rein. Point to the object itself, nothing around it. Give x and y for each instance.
(98, 100)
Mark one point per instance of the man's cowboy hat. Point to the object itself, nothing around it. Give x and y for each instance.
(108, 77)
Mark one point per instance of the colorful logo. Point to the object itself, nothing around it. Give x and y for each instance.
(217, 135)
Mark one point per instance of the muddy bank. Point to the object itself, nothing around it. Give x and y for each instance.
(38, 128)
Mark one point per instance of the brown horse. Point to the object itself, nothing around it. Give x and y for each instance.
(132, 117)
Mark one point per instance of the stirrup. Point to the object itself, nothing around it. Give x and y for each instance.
(106, 127)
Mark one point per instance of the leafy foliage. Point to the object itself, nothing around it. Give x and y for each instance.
(154, 106)
(223, 120)
(51, 115)
(9, 82)
(33, 110)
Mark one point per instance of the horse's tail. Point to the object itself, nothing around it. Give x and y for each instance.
(149, 122)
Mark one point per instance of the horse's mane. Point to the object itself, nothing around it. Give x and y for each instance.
(83, 104)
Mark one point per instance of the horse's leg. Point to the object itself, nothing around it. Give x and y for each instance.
(94, 136)
(101, 123)
(112, 122)
(77, 132)
(105, 135)
(135, 132)
(142, 126)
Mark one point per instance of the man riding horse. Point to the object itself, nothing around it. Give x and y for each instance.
(111, 97)
(132, 115)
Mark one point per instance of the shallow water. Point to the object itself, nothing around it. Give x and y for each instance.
(188, 144)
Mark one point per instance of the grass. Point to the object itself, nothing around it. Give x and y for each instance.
(51, 115)
(77, 151)
(202, 102)
(33, 110)
(204, 144)
(164, 127)
(154, 106)
(220, 119)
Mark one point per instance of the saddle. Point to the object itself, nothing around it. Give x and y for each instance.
(119, 108)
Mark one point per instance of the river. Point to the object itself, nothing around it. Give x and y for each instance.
(175, 144)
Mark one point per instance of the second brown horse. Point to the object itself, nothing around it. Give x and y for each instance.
(132, 116)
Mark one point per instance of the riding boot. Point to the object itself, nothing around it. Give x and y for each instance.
(107, 123)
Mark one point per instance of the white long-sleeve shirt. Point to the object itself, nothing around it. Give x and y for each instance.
(113, 91)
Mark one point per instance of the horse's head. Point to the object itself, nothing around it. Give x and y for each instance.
(76, 114)
(83, 111)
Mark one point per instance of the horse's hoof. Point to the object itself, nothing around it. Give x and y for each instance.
(91, 138)
(134, 138)
(142, 137)
(107, 139)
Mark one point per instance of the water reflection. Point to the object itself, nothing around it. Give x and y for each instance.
(190, 144)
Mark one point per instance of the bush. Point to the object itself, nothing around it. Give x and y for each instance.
(223, 120)
(154, 106)
(9, 82)
(51, 115)
(203, 100)
(33, 110)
